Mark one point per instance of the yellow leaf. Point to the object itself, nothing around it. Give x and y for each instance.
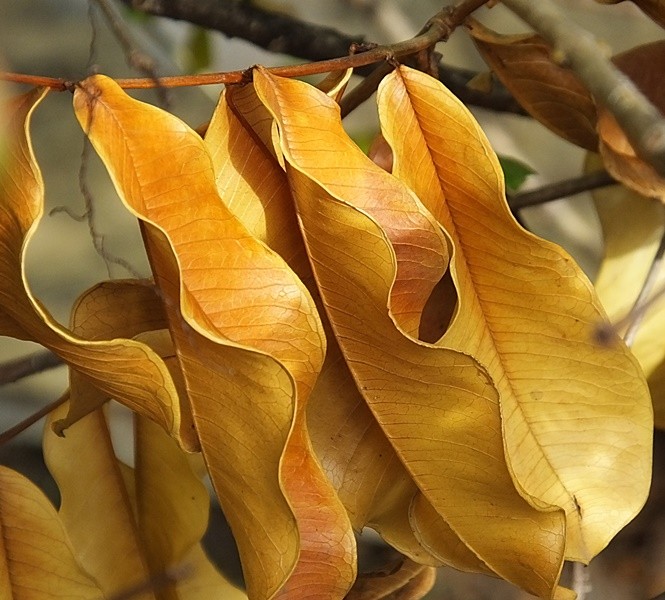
(408, 581)
(420, 247)
(249, 341)
(123, 369)
(36, 558)
(126, 309)
(632, 228)
(549, 92)
(95, 507)
(576, 418)
(437, 406)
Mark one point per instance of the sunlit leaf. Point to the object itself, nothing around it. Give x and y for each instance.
(633, 227)
(549, 92)
(576, 418)
(437, 407)
(249, 342)
(36, 558)
(122, 369)
(645, 65)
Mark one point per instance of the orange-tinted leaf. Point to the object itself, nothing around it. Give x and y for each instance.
(436, 406)
(123, 369)
(549, 92)
(250, 346)
(645, 65)
(36, 558)
(528, 314)
(420, 247)
(357, 458)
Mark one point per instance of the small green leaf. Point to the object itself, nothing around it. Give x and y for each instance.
(515, 172)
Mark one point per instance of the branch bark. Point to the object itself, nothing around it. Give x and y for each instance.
(288, 35)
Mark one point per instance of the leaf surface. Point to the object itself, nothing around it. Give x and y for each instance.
(576, 418)
(36, 557)
(436, 406)
(123, 369)
(549, 92)
(249, 341)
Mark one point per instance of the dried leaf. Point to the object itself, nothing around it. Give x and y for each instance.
(645, 65)
(36, 558)
(449, 440)
(249, 341)
(123, 369)
(528, 314)
(95, 508)
(632, 228)
(409, 581)
(550, 93)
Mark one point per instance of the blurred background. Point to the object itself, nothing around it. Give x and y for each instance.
(55, 38)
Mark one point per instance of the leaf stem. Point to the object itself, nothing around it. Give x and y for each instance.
(642, 122)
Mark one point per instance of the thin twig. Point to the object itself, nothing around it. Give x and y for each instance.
(136, 59)
(642, 122)
(16, 369)
(642, 300)
(11, 433)
(561, 189)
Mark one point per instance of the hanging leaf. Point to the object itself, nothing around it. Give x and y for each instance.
(633, 227)
(36, 558)
(120, 368)
(249, 341)
(406, 581)
(527, 313)
(449, 440)
(550, 93)
(645, 65)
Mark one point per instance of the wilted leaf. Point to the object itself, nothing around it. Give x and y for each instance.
(36, 558)
(632, 230)
(549, 92)
(645, 65)
(123, 369)
(357, 458)
(576, 418)
(249, 341)
(436, 406)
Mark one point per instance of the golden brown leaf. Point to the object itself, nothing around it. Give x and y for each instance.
(250, 346)
(437, 407)
(549, 92)
(576, 418)
(406, 581)
(36, 558)
(645, 65)
(123, 369)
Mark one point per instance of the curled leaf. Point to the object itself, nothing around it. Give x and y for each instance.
(549, 92)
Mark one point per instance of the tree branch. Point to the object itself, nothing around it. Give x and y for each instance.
(288, 35)
(16, 369)
(642, 123)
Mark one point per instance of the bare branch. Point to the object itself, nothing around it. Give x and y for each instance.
(574, 46)
(561, 189)
(16, 369)
(11, 433)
